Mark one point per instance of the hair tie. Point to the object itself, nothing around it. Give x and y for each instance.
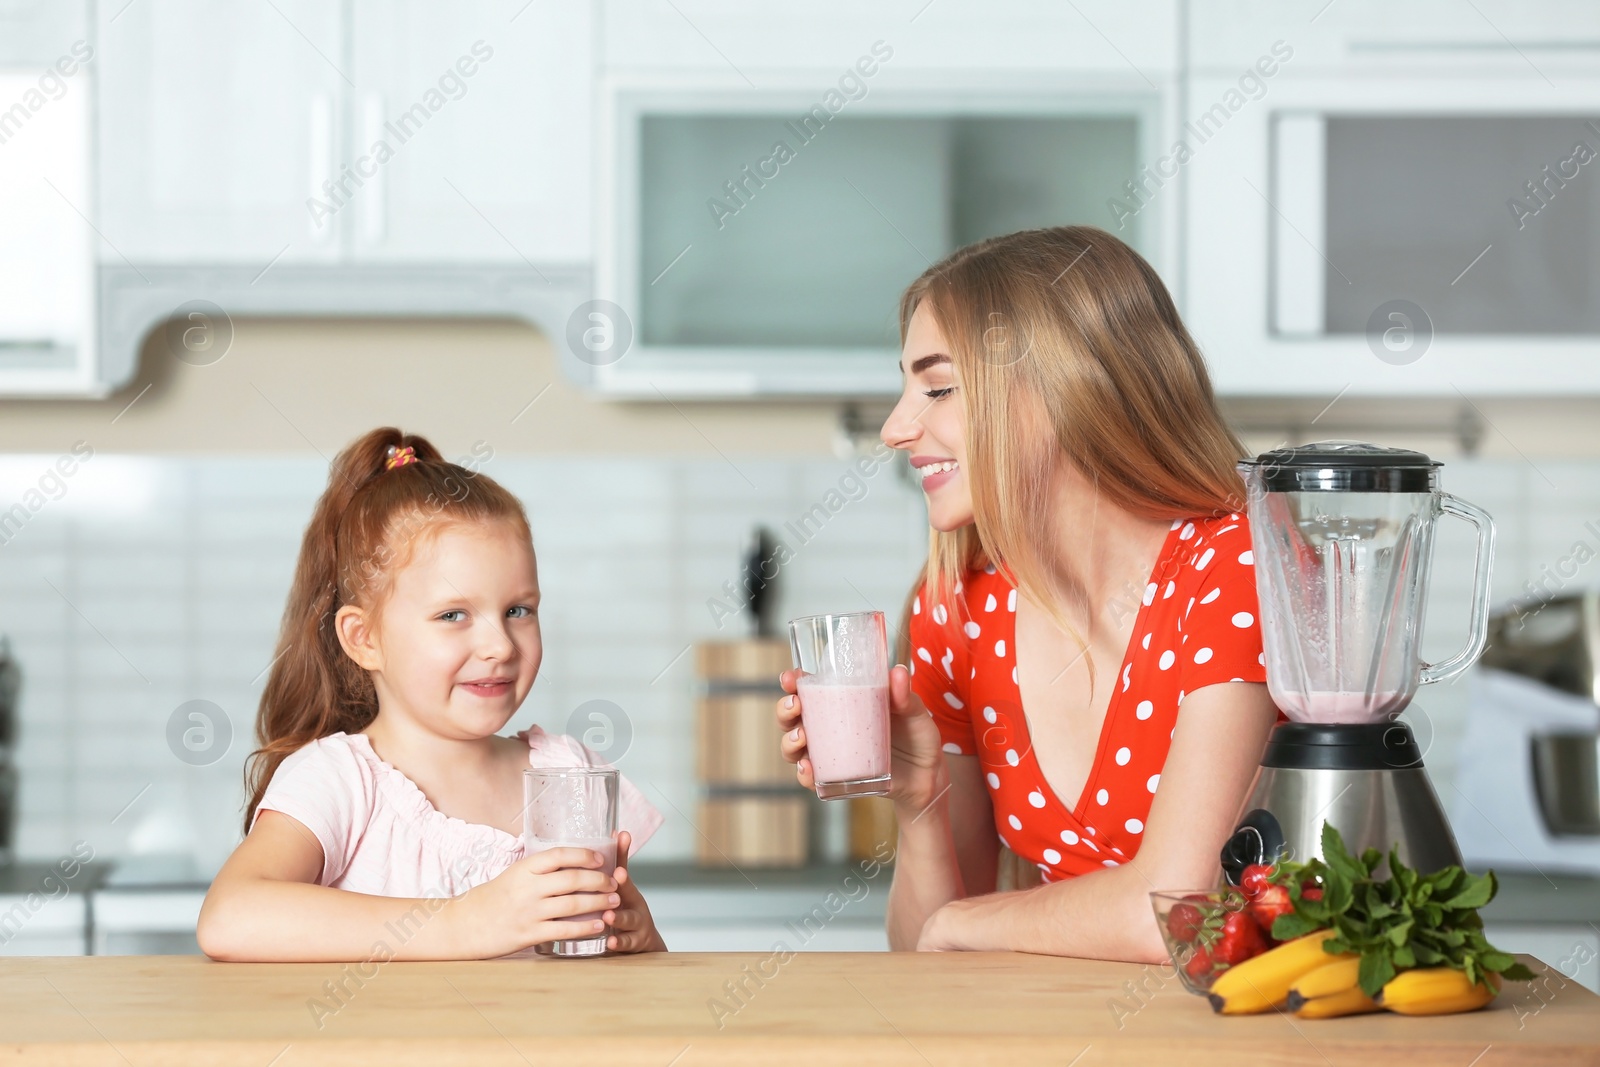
(399, 457)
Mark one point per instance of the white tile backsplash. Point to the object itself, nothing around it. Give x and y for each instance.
(181, 578)
(175, 590)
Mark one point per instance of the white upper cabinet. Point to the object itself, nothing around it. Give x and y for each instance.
(217, 123)
(469, 132)
(749, 42)
(308, 131)
(36, 33)
(1413, 37)
(47, 241)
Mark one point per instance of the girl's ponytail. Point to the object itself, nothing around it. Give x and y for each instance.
(313, 688)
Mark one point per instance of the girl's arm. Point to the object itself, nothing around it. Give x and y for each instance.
(265, 905)
(947, 850)
(1107, 914)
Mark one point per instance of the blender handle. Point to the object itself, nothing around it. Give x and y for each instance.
(1483, 563)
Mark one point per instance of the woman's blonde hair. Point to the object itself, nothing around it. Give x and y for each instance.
(1068, 347)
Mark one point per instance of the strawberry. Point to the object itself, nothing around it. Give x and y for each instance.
(1198, 966)
(1254, 879)
(1185, 921)
(1311, 892)
(1271, 902)
(1241, 939)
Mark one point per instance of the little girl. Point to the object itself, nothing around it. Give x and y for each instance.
(410, 639)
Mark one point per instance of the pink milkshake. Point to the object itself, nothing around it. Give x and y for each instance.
(584, 946)
(844, 701)
(847, 736)
(1332, 707)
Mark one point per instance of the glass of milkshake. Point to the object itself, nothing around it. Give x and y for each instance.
(572, 808)
(844, 701)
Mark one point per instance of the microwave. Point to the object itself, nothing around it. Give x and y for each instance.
(1408, 211)
(755, 242)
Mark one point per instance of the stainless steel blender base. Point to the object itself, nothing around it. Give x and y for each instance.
(1370, 809)
(1393, 807)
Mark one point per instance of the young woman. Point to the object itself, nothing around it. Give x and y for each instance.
(1086, 685)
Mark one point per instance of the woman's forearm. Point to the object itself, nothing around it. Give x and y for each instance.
(1104, 915)
(263, 920)
(926, 875)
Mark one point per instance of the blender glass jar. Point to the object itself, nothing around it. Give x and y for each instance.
(1342, 536)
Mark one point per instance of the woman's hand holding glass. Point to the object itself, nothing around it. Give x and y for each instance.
(916, 763)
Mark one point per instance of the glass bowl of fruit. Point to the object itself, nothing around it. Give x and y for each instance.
(1207, 931)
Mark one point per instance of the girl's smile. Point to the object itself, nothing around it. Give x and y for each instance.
(489, 687)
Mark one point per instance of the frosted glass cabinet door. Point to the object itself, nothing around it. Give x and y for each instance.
(217, 122)
(814, 254)
(470, 131)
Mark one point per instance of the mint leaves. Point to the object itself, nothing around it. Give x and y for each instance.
(1406, 920)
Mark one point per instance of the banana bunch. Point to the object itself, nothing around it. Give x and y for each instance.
(1301, 977)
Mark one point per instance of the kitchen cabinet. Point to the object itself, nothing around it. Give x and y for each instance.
(44, 908)
(217, 122)
(47, 320)
(291, 133)
(486, 109)
(54, 929)
(239, 162)
(1225, 36)
(140, 920)
(749, 44)
(34, 33)
(941, 129)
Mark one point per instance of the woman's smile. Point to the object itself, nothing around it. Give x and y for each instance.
(933, 471)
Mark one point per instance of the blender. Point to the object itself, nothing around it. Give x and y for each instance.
(1342, 538)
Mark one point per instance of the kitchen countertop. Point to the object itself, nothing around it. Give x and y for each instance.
(1531, 897)
(34, 876)
(686, 874)
(679, 1009)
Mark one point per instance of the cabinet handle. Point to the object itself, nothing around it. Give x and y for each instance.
(374, 205)
(322, 225)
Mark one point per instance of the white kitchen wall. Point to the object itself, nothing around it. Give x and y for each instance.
(153, 581)
(157, 580)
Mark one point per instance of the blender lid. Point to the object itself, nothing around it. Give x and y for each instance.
(1344, 467)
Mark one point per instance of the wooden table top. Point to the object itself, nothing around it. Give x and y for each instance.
(688, 1009)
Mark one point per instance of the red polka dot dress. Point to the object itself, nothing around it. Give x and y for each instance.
(1197, 625)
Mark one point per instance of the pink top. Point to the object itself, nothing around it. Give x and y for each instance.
(381, 835)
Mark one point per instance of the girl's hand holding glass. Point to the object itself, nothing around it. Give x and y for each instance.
(632, 928)
(529, 902)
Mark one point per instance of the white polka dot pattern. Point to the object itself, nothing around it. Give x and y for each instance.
(1202, 586)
